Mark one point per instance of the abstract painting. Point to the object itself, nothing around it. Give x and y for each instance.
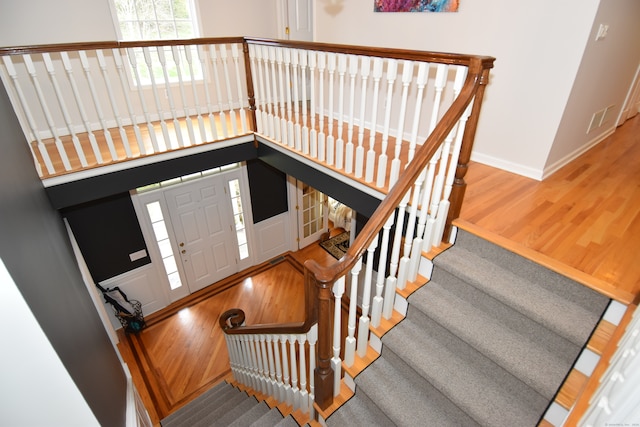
(415, 5)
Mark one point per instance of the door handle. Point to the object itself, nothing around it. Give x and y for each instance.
(183, 251)
(181, 244)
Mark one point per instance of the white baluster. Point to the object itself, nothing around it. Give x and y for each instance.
(407, 75)
(117, 57)
(391, 281)
(321, 134)
(349, 148)
(279, 58)
(297, 131)
(212, 119)
(227, 81)
(25, 107)
(114, 106)
(331, 141)
(272, 367)
(303, 400)
(421, 81)
(288, 391)
(66, 62)
(371, 154)
(312, 338)
(336, 363)
(63, 107)
(258, 95)
(409, 236)
(96, 102)
(271, 56)
(294, 373)
(255, 370)
(263, 104)
(169, 94)
(363, 327)
(213, 53)
(175, 50)
(376, 307)
(313, 132)
(235, 55)
(364, 75)
(397, 243)
(156, 97)
(342, 69)
(305, 118)
(280, 394)
(194, 92)
(45, 109)
(288, 122)
(350, 340)
(392, 70)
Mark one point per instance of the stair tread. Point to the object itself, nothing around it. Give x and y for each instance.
(287, 421)
(474, 383)
(406, 400)
(210, 412)
(206, 398)
(251, 415)
(522, 352)
(359, 411)
(269, 419)
(540, 303)
(223, 419)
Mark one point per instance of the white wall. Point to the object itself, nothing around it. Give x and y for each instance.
(604, 78)
(36, 388)
(538, 46)
(253, 18)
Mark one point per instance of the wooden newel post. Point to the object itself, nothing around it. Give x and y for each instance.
(459, 184)
(250, 93)
(323, 374)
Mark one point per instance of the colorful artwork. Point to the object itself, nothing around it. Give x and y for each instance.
(415, 5)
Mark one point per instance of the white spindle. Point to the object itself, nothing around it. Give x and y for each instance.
(407, 75)
(303, 401)
(313, 133)
(376, 307)
(403, 274)
(364, 75)
(331, 141)
(169, 94)
(397, 244)
(321, 134)
(227, 81)
(392, 70)
(294, 372)
(272, 367)
(212, 120)
(391, 281)
(31, 69)
(297, 131)
(255, 370)
(263, 367)
(349, 148)
(336, 363)
(288, 122)
(216, 80)
(114, 105)
(235, 55)
(63, 107)
(421, 81)
(117, 57)
(363, 327)
(278, 365)
(342, 69)
(371, 154)
(27, 111)
(66, 62)
(350, 340)
(270, 55)
(288, 392)
(156, 96)
(312, 338)
(279, 58)
(194, 92)
(175, 50)
(305, 118)
(263, 99)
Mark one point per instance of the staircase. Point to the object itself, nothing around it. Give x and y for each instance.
(225, 405)
(487, 341)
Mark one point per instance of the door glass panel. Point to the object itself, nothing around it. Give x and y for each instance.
(162, 239)
(238, 218)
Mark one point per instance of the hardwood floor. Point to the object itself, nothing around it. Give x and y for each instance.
(585, 217)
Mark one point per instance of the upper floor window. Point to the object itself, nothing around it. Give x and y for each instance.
(156, 19)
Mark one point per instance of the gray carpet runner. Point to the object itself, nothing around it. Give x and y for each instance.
(488, 341)
(225, 405)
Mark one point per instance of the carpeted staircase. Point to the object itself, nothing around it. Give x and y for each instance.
(488, 341)
(225, 405)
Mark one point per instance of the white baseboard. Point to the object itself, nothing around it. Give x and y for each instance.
(508, 166)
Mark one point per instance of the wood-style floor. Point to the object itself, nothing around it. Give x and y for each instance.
(584, 219)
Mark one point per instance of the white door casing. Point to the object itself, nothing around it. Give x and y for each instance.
(202, 222)
(312, 214)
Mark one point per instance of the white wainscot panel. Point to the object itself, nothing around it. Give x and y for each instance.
(272, 237)
(141, 284)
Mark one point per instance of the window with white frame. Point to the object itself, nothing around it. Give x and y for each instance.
(160, 20)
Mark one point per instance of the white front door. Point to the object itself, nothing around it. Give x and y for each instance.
(313, 216)
(202, 222)
(299, 19)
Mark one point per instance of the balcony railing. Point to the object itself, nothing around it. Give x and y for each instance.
(401, 122)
